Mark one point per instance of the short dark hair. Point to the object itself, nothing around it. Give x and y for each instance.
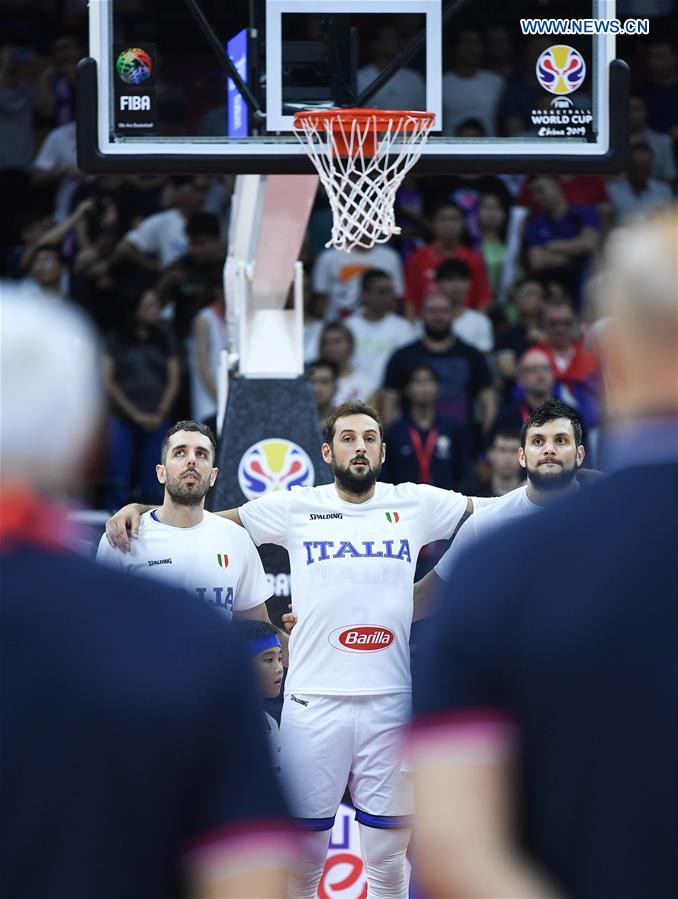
(372, 275)
(55, 248)
(355, 407)
(505, 434)
(550, 411)
(254, 629)
(322, 363)
(453, 269)
(422, 367)
(189, 426)
(202, 224)
(342, 328)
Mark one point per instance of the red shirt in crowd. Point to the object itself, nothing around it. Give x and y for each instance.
(580, 190)
(420, 275)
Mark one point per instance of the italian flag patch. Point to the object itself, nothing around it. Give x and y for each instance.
(392, 517)
(222, 560)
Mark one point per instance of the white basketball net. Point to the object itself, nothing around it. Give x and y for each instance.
(361, 185)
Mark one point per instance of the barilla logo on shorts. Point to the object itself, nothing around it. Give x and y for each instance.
(362, 638)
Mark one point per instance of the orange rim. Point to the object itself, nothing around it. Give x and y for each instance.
(341, 120)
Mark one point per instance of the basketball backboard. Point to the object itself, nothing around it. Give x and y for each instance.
(155, 94)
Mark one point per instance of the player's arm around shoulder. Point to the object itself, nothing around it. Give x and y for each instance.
(231, 515)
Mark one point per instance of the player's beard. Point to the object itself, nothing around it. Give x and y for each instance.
(550, 481)
(186, 493)
(354, 482)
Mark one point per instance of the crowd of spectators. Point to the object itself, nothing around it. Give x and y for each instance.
(451, 334)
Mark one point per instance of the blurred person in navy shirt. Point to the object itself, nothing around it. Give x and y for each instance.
(545, 742)
(133, 760)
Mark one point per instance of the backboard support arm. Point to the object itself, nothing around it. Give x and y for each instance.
(405, 55)
(223, 56)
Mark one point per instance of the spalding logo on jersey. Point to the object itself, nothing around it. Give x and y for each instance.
(274, 464)
(362, 638)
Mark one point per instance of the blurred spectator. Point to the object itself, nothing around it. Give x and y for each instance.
(208, 338)
(663, 162)
(466, 191)
(579, 190)
(162, 238)
(534, 385)
(188, 277)
(493, 214)
(447, 225)
(521, 90)
(561, 238)
(410, 216)
(56, 165)
(453, 280)
(135, 197)
(49, 271)
(335, 277)
(424, 447)
(638, 193)
(57, 82)
(336, 346)
(323, 377)
(18, 97)
(511, 343)
(36, 229)
(376, 329)
(468, 90)
(660, 89)
(499, 472)
(141, 377)
(95, 240)
(462, 370)
(406, 89)
(313, 319)
(500, 54)
(576, 370)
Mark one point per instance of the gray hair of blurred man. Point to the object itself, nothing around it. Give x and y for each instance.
(638, 292)
(50, 390)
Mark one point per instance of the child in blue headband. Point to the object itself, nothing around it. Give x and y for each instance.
(263, 645)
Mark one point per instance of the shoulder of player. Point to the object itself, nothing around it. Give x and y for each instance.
(216, 523)
(420, 493)
(507, 506)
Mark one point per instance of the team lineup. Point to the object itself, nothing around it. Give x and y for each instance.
(353, 545)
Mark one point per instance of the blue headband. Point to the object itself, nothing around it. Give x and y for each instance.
(262, 643)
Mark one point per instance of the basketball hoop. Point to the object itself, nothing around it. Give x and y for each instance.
(362, 157)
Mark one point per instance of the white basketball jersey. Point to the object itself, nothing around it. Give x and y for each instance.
(352, 568)
(214, 560)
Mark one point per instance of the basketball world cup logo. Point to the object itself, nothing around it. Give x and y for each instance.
(274, 464)
(561, 69)
(134, 66)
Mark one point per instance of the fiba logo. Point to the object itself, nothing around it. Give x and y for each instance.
(561, 69)
(134, 66)
(274, 464)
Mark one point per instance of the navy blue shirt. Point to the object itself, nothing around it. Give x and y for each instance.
(442, 452)
(131, 732)
(576, 641)
(461, 369)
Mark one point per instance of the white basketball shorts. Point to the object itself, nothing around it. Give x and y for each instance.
(329, 742)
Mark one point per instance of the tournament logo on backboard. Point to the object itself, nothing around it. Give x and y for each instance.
(561, 69)
(274, 464)
(134, 66)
